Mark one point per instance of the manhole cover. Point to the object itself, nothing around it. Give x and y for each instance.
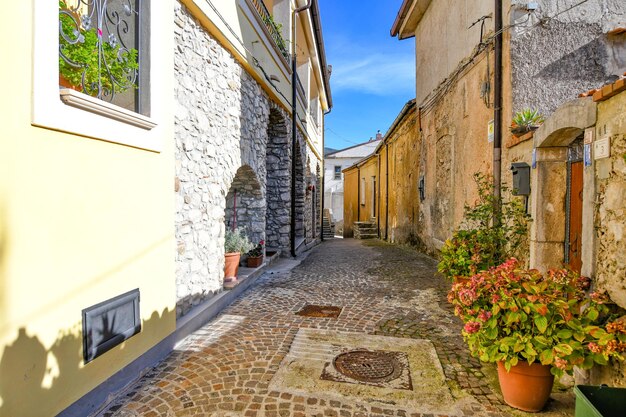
(311, 310)
(368, 366)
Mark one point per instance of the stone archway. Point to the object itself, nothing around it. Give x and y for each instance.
(278, 184)
(551, 180)
(300, 193)
(244, 205)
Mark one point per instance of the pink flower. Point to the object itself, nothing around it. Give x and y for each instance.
(471, 327)
(484, 316)
(495, 299)
(594, 347)
(560, 363)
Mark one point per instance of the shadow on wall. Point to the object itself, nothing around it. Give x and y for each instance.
(4, 248)
(38, 381)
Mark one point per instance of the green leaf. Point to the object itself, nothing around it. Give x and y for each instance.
(546, 357)
(592, 314)
(563, 349)
(564, 334)
(542, 323)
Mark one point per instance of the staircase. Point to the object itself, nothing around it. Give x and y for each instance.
(365, 230)
(328, 227)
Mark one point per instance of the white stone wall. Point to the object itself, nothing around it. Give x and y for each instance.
(221, 124)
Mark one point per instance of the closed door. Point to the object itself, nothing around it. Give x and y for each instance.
(575, 217)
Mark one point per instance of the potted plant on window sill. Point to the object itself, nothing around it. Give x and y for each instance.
(526, 121)
(536, 326)
(235, 243)
(87, 62)
(256, 255)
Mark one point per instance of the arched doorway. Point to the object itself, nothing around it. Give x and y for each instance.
(560, 197)
(245, 205)
(278, 185)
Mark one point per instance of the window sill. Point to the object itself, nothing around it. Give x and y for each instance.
(91, 104)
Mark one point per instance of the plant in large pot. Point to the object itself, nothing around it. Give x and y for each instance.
(480, 242)
(536, 326)
(235, 243)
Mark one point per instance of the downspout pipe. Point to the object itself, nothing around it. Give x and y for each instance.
(294, 124)
(387, 191)
(324, 180)
(497, 117)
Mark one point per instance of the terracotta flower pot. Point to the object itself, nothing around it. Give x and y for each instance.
(254, 261)
(231, 265)
(525, 386)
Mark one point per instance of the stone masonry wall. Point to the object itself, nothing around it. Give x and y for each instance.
(570, 53)
(221, 124)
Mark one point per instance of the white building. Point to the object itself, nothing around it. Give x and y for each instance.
(334, 163)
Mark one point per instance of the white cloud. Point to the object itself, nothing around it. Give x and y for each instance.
(376, 74)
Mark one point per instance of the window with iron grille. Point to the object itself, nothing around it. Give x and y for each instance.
(103, 51)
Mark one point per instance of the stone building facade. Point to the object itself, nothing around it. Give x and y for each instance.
(233, 163)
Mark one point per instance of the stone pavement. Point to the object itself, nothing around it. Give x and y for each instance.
(396, 342)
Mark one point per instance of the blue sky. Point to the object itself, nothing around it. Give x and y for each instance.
(373, 73)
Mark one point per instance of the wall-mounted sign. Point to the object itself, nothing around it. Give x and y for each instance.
(589, 134)
(602, 148)
(587, 154)
(490, 131)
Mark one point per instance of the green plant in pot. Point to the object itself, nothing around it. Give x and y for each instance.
(536, 326)
(480, 242)
(255, 256)
(235, 243)
(526, 120)
(90, 61)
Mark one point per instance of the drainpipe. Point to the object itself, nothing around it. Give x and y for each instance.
(324, 181)
(497, 117)
(387, 192)
(294, 124)
(377, 200)
(358, 195)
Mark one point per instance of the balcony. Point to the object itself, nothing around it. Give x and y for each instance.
(272, 28)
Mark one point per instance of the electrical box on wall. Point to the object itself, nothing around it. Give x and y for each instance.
(521, 178)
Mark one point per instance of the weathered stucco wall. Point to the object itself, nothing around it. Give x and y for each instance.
(444, 38)
(350, 200)
(454, 146)
(610, 216)
(404, 163)
(568, 54)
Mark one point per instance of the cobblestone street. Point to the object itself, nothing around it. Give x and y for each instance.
(260, 358)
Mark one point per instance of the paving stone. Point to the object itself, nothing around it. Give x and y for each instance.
(228, 367)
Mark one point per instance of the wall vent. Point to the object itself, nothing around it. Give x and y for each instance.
(109, 323)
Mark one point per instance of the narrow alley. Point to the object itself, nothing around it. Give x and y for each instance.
(395, 347)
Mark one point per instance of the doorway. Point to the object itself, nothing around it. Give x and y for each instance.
(574, 206)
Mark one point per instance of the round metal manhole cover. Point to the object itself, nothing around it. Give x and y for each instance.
(368, 366)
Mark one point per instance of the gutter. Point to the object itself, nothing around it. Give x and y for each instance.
(319, 38)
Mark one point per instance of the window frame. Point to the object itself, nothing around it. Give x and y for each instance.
(337, 175)
(73, 112)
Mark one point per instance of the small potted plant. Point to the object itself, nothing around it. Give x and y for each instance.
(536, 326)
(235, 243)
(526, 120)
(255, 256)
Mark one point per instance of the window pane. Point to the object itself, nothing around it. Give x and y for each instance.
(99, 49)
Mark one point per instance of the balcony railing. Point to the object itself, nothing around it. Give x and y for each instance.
(272, 27)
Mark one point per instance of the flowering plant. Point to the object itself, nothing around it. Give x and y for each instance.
(257, 250)
(481, 242)
(512, 314)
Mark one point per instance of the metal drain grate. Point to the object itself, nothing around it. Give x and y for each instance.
(312, 310)
(370, 367)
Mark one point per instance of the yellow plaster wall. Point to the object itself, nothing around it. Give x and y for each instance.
(350, 200)
(81, 221)
(367, 170)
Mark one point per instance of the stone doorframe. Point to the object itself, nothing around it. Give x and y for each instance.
(549, 185)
